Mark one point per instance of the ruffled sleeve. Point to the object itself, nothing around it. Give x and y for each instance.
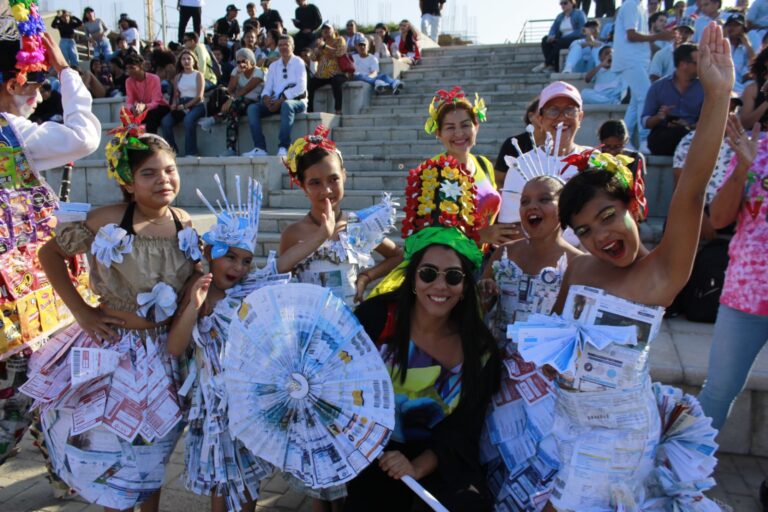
(74, 238)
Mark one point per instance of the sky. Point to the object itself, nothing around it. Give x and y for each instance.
(489, 21)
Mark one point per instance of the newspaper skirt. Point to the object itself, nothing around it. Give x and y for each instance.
(606, 442)
(110, 416)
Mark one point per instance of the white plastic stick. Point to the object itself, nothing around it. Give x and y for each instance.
(424, 494)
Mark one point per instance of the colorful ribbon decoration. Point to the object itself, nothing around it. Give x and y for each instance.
(455, 95)
(31, 57)
(303, 145)
(126, 137)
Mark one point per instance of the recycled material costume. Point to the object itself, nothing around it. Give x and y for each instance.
(622, 443)
(215, 462)
(429, 412)
(30, 308)
(337, 262)
(111, 427)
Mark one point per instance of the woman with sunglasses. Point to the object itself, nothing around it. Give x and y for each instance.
(245, 86)
(443, 360)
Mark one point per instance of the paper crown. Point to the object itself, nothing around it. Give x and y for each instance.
(618, 166)
(236, 225)
(125, 138)
(454, 96)
(441, 192)
(304, 145)
(23, 34)
(538, 162)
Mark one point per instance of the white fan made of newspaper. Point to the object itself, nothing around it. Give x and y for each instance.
(308, 390)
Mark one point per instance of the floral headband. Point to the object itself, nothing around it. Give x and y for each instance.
(454, 96)
(126, 137)
(31, 57)
(616, 165)
(441, 192)
(304, 145)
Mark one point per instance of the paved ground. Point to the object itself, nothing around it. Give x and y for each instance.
(23, 487)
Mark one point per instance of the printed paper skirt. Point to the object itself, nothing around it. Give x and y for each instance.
(110, 416)
(214, 462)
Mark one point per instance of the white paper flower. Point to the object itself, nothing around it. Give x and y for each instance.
(451, 189)
(189, 243)
(110, 243)
(159, 304)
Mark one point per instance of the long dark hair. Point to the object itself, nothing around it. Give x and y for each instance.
(476, 339)
(759, 67)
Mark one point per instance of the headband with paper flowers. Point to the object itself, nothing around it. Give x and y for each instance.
(31, 57)
(125, 138)
(452, 97)
(618, 166)
(303, 145)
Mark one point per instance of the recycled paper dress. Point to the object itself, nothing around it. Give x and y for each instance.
(110, 414)
(519, 421)
(336, 263)
(622, 443)
(215, 462)
(30, 308)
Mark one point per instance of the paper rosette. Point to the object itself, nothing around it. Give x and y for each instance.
(308, 390)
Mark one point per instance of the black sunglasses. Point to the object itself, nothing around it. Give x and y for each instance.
(452, 276)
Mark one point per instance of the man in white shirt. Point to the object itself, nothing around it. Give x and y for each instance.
(285, 93)
(663, 63)
(367, 70)
(709, 10)
(583, 54)
(631, 59)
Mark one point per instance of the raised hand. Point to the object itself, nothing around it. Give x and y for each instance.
(715, 63)
(328, 220)
(199, 291)
(53, 54)
(743, 145)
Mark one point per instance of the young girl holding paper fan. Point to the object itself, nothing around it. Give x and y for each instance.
(524, 277)
(622, 443)
(106, 387)
(216, 464)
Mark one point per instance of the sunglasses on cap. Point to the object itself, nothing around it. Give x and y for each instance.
(428, 274)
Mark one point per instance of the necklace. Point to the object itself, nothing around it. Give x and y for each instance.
(156, 220)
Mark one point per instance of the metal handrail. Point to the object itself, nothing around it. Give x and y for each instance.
(534, 30)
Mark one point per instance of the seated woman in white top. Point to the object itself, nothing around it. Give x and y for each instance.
(187, 103)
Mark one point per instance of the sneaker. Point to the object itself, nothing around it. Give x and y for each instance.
(539, 68)
(255, 152)
(396, 86)
(380, 86)
(282, 152)
(229, 152)
(206, 124)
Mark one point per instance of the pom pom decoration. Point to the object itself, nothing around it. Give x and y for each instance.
(618, 166)
(31, 57)
(126, 137)
(455, 95)
(303, 145)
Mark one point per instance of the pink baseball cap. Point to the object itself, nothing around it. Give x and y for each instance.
(559, 90)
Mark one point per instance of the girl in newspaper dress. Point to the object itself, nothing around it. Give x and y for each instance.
(622, 443)
(524, 278)
(106, 387)
(328, 247)
(216, 464)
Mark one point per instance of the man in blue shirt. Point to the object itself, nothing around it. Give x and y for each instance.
(673, 104)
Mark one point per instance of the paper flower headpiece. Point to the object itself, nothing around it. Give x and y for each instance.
(618, 166)
(454, 96)
(441, 192)
(303, 145)
(237, 225)
(125, 138)
(31, 57)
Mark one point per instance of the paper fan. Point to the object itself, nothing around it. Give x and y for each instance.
(308, 390)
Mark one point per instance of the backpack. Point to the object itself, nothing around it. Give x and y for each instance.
(701, 295)
(218, 97)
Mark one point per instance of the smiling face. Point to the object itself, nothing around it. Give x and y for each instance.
(324, 180)
(538, 207)
(606, 229)
(231, 268)
(438, 298)
(457, 132)
(156, 181)
(561, 110)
